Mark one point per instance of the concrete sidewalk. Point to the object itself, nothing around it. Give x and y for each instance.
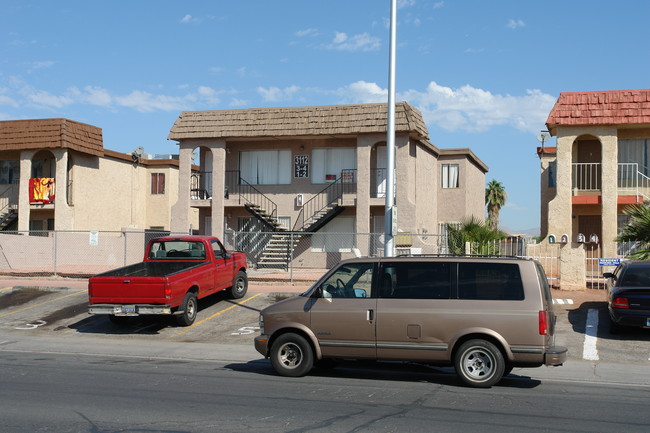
(257, 282)
(268, 282)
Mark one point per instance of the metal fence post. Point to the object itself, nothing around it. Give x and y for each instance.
(54, 252)
(291, 257)
(124, 233)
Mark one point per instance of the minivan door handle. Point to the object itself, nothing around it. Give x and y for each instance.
(370, 315)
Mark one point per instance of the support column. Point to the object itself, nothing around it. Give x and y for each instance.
(609, 204)
(24, 209)
(364, 146)
(63, 215)
(218, 169)
(180, 220)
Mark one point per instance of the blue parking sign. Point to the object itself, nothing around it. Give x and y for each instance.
(609, 262)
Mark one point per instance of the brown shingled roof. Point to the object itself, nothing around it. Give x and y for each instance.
(51, 133)
(612, 107)
(332, 120)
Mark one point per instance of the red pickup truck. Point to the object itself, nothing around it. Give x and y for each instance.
(175, 273)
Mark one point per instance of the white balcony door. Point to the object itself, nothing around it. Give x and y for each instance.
(381, 172)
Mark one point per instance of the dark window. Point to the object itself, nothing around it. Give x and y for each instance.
(157, 183)
(490, 281)
(416, 280)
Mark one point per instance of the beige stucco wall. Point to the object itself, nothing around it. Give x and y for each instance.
(460, 204)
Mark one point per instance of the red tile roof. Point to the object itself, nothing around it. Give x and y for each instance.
(613, 107)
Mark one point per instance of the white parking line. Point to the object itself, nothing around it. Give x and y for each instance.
(589, 350)
(563, 301)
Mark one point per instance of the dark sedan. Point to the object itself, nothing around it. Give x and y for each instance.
(628, 290)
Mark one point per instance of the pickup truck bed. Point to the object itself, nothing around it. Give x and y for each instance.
(152, 269)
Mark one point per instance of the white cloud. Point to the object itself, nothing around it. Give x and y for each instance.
(465, 109)
(187, 19)
(515, 24)
(438, 5)
(307, 32)
(236, 102)
(405, 3)
(138, 100)
(471, 109)
(360, 42)
(275, 94)
(46, 99)
(362, 92)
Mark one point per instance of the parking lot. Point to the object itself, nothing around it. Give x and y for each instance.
(31, 308)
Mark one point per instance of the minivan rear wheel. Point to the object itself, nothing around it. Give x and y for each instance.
(292, 355)
(479, 363)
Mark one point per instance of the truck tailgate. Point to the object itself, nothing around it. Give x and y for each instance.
(121, 290)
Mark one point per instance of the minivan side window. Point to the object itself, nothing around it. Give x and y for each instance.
(352, 280)
(416, 280)
(490, 281)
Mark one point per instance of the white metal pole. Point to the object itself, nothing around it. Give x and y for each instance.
(389, 249)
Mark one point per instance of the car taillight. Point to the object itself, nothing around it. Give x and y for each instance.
(168, 292)
(620, 303)
(543, 323)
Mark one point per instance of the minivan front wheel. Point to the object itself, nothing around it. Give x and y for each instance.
(292, 355)
(479, 363)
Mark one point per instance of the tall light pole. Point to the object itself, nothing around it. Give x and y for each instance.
(390, 210)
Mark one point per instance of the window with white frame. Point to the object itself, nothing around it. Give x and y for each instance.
(450, 176)
(335, 237)
(329, 162)
(265, 167)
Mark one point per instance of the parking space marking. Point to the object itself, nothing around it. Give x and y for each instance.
(42, 303)
(589, 350)
(563, 301)
(215, 315)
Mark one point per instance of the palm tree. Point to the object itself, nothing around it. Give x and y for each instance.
(638, 230)
(495, 199)
(483, 238)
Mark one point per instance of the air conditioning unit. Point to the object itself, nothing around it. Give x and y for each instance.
(299, 200)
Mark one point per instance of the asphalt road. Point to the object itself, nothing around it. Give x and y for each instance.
(83, 392)
(63, 370)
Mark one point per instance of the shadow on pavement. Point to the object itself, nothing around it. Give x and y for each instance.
(392, 371)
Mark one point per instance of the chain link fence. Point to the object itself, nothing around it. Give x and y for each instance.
(71, 253)
(85, 253)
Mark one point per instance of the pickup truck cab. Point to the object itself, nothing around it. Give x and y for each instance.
(175, 273)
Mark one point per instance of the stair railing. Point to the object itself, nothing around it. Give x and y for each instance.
(248, 194)
(327, 197)
(8, 198)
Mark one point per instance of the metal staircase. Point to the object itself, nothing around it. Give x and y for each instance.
(279, 246)
(7, 217)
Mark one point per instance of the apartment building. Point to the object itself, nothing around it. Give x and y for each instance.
(597, 168)
(319, 169)
(56, 175)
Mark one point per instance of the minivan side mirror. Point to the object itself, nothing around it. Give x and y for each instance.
(609, 275)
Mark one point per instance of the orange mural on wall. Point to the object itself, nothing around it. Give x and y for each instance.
(41, 190)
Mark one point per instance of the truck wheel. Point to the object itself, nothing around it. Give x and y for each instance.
(291, 355)
(479, 363)
(239, 286)
(189, 308)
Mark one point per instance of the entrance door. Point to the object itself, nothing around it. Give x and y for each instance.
(343, 317)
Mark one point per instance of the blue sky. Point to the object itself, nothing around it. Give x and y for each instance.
(485, 74)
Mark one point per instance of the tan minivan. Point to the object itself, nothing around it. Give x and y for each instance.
(482, 315)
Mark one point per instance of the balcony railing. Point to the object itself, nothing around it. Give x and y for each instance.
(629, 180)
(201, 185)
(586, 176)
